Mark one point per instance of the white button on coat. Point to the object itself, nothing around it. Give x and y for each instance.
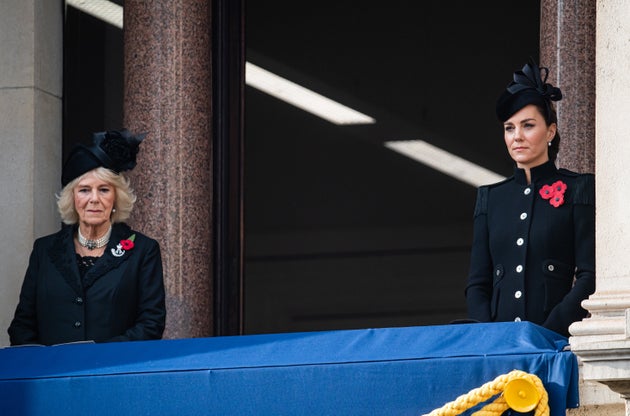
(519, 268)
(518, 294)
(520, 242)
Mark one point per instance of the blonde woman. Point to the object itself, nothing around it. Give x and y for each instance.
(96, 279)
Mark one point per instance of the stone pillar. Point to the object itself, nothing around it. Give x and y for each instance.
(168, 95)
(602, 342)
(567, 48)
(30, 136)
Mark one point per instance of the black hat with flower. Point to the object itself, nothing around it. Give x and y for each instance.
(528, 87)
(113, 149)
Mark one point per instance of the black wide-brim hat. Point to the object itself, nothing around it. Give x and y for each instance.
(528, 87)
(115, 150)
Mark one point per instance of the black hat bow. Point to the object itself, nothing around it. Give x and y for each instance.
(114, 149)
(528, 87)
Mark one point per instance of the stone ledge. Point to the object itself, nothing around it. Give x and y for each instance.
(599, 410)
(597, 399)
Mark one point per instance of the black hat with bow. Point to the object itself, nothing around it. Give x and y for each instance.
(528, 87)
(115, 150)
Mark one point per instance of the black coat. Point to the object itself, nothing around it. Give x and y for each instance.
(120, 298)
(530, 260)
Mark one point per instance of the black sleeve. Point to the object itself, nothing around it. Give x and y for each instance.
(569, 310)
(479, 287)
(23, 328)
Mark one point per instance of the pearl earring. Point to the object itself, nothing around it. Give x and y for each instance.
(549, 144)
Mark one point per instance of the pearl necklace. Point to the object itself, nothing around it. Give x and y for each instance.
(92, 244)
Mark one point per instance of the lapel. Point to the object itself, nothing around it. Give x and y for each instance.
(109, 261)
(63, 256)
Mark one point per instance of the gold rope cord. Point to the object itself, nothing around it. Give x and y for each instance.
(524, 392)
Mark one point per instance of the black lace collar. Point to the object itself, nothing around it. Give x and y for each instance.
(63, 256)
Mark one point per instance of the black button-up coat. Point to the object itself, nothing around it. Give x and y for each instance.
(121, 297)
(532, 260)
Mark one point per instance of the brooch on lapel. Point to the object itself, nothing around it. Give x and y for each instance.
(554, 193)
(123, 246)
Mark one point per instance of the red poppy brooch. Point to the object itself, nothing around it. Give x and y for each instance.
(554, 193)
(123, 246)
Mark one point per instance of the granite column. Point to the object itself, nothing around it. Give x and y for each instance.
(567, 48)
(168, 95)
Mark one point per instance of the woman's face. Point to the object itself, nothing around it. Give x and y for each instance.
(527, 137)
(94, 200)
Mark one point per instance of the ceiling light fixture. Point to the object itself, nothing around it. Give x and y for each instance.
(445, 162)
(101, 9)
(303, 98)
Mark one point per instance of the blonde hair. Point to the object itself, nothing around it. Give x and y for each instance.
(125, 196)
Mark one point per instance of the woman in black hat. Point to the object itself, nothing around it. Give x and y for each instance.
(96, 279)
(533, 253)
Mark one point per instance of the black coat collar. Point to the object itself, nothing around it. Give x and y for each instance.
(63, 256)
(538, 173)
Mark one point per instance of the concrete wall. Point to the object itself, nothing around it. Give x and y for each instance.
(30, 136)
(613, 144)
(601, 341)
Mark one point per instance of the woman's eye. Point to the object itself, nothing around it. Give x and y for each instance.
(509, 128)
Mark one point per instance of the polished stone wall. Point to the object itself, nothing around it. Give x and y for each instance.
(567, 48)
(168, 95)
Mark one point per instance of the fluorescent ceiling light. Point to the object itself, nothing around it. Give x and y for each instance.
(445, 162)
(303, 98)
(101, 9)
